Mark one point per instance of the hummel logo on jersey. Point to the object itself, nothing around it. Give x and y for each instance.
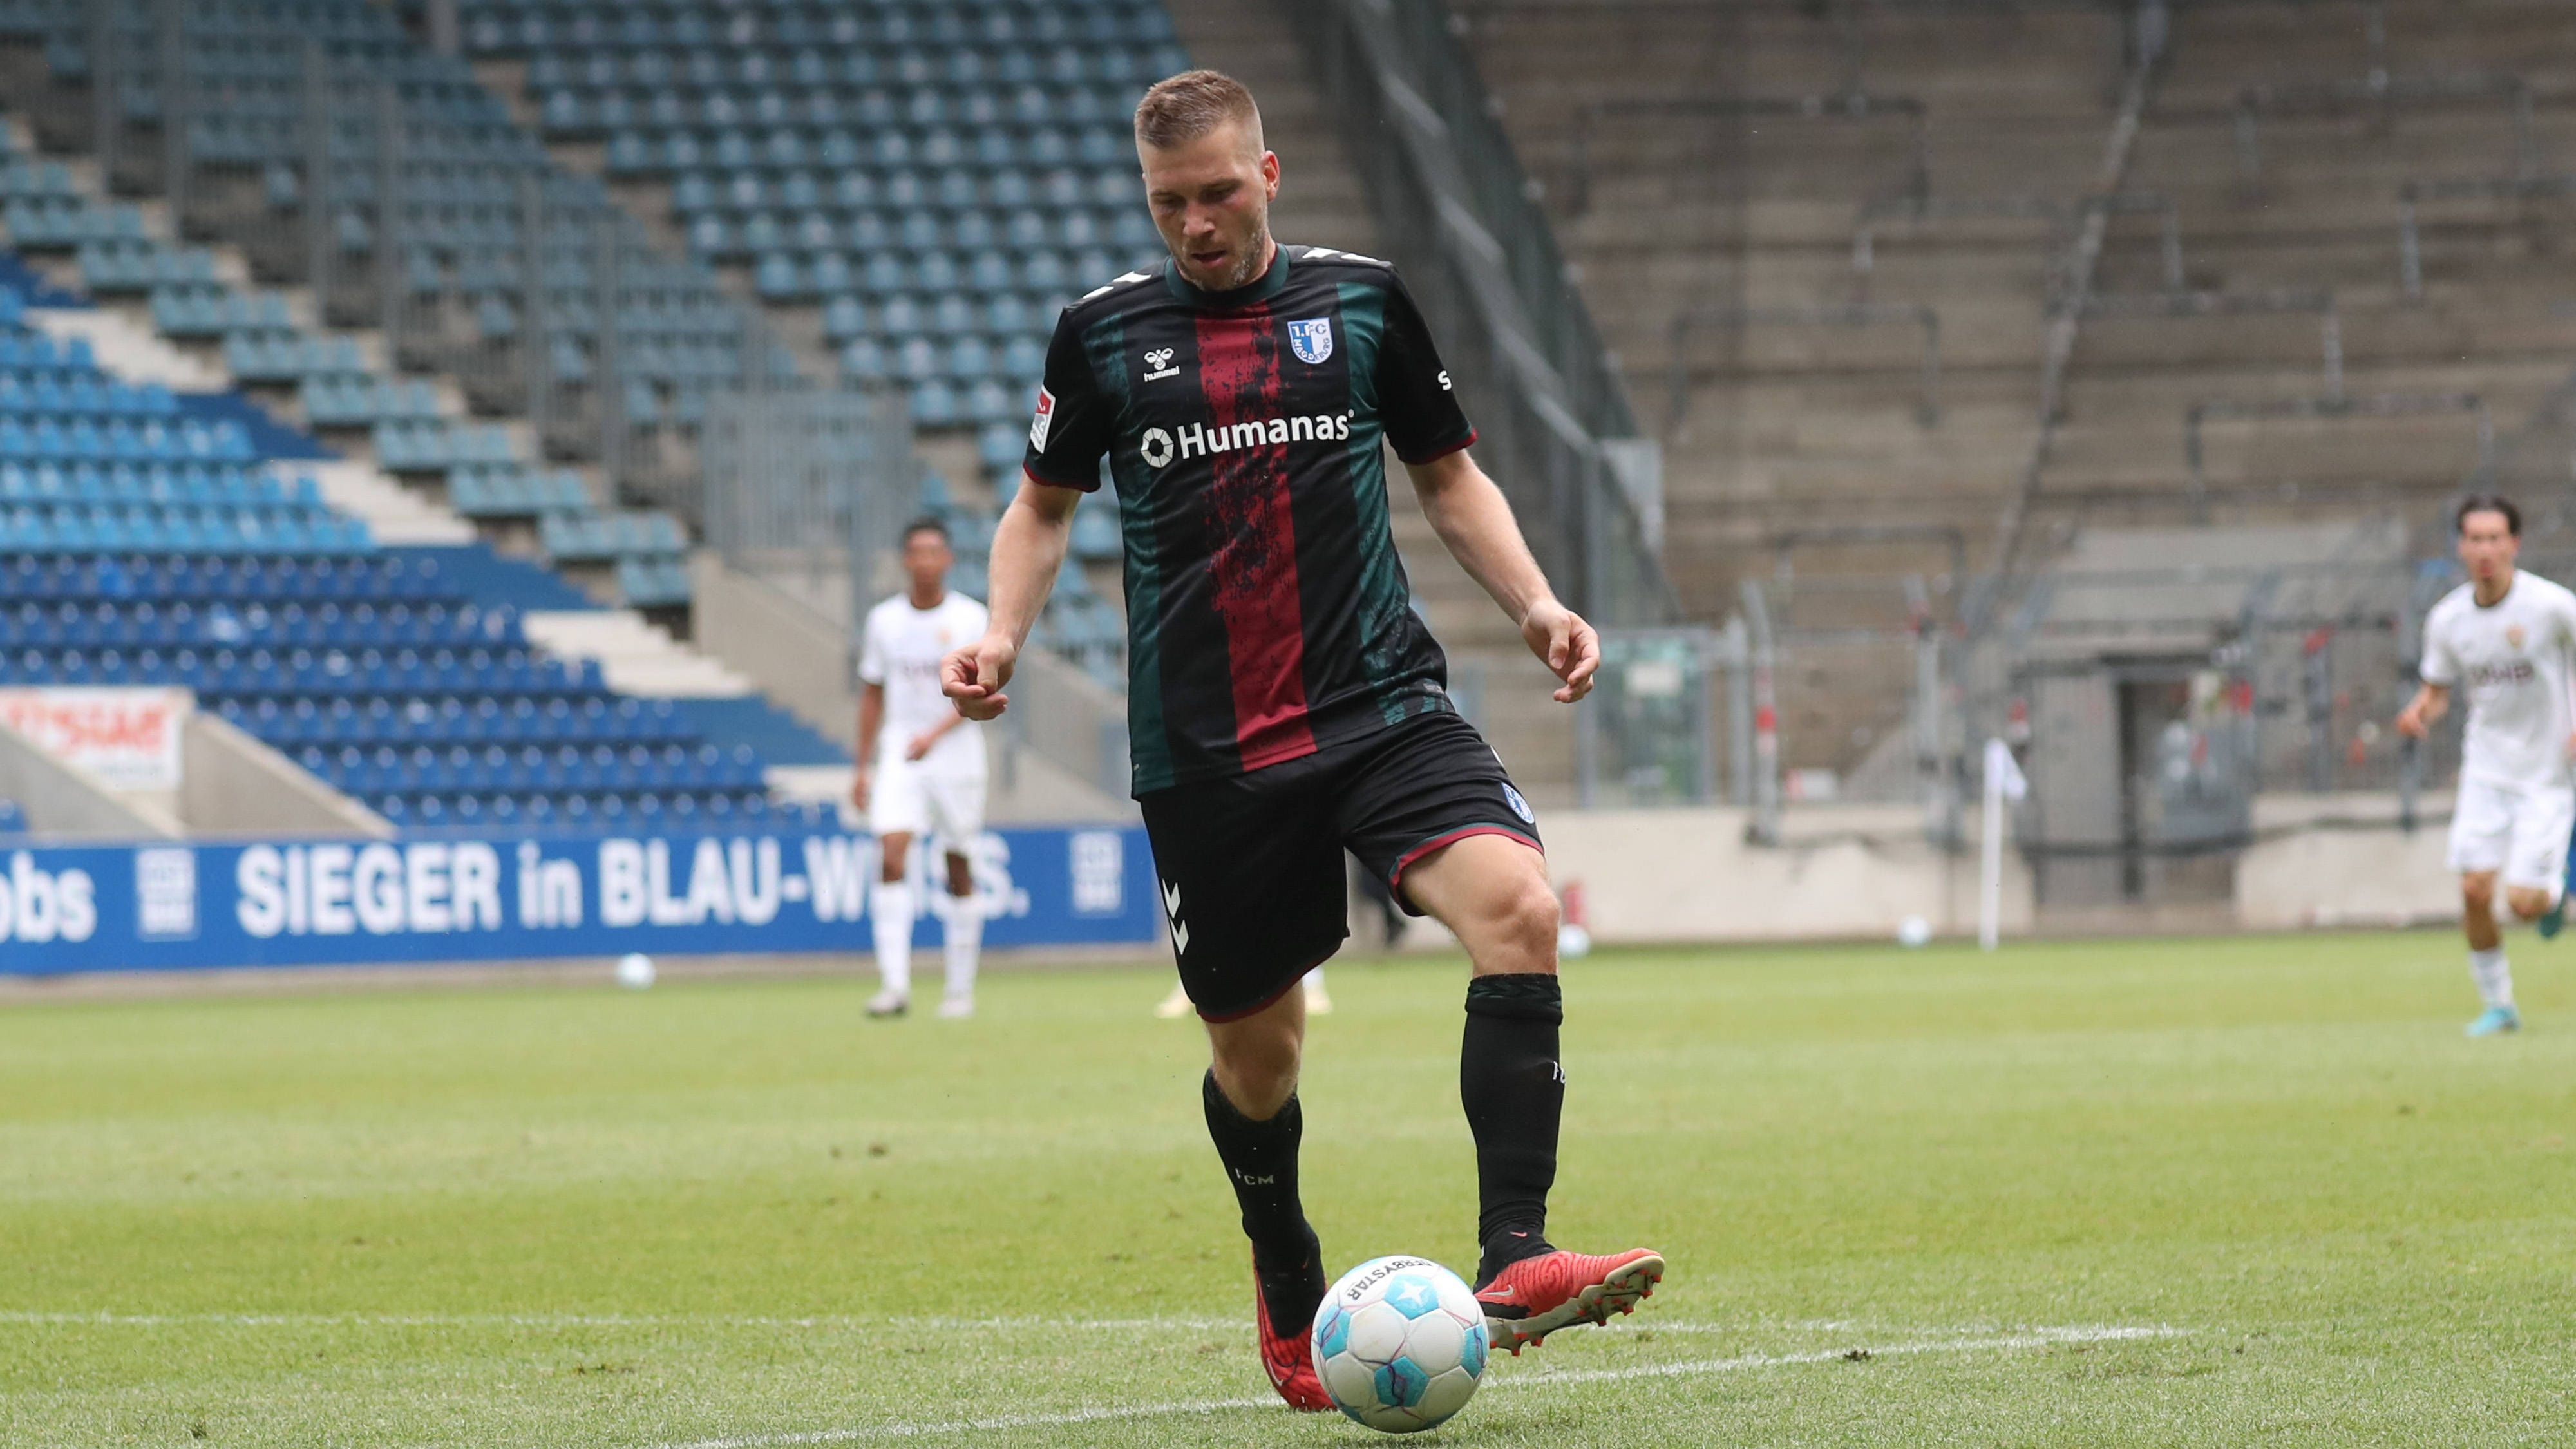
(1172, 913)
(1160, 360)
(1158, 448)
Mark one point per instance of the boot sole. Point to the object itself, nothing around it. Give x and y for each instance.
(1628, 1285)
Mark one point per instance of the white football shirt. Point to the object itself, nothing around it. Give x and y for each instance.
(2511, 661)
(900, 649)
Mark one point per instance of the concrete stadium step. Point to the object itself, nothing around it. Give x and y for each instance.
(130, 349)
(123, 340)
(393, 514)
(1783, 426)
(635, 656)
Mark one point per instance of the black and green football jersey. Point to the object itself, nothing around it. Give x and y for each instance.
(1267, 613)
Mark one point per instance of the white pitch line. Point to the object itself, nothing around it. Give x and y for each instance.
(2034, 1338)
(977, 1426)
(2041, 1338)
(839, 1322)
(598, 1320)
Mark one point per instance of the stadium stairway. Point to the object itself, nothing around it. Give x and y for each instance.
(1804, 457)
(164, 550)
(331, 379)
(644, 658)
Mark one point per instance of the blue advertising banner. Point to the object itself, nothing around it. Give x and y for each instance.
(525, 897)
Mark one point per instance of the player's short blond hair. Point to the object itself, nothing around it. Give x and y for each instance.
(1182, 108)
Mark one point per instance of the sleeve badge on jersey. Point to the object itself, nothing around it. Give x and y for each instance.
(1312, 339)
(1038, 425)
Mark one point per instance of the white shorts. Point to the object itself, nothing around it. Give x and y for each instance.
(2522, 834)
(907, 799)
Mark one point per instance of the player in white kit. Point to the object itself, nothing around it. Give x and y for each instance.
(2504, 637)
(921, 767)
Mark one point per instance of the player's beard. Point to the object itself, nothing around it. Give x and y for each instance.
(1249, 267)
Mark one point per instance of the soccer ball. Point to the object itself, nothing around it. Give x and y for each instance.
(1400, 1343)
(635, 971)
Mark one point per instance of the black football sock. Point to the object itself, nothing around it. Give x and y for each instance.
(1261, 1161)
(1514, 1090)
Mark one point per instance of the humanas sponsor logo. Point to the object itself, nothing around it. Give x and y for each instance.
(1194, 440)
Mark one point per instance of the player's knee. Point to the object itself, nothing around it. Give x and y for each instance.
(1257, 1074)
(1529, 915)
(2527, 904)
(2477, 892)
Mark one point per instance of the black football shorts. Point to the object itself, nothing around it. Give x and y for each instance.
(1251, 864)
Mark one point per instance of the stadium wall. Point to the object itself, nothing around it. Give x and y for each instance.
(1690, 876)
(2346, 860)
(423, 898)
(1650, 876)
(235, 785)
(796, 656)
(63, 800)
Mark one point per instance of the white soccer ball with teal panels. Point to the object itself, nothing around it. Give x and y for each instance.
(1400, 1344)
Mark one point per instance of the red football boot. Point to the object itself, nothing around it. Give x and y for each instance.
(1535, 1297)
(1289, 1358)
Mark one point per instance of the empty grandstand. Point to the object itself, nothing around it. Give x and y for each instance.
(1922, 298)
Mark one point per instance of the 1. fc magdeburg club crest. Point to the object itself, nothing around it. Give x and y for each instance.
(1312, 339)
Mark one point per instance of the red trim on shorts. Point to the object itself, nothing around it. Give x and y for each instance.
(1395, 877)
(1296, 979)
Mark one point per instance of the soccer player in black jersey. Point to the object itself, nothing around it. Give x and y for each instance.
(1284, 702)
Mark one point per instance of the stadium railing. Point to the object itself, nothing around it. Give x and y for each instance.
(1456, 204)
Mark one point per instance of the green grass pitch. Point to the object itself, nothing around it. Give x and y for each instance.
(2247, 1191)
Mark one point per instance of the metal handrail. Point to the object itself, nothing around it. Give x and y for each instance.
(2385, 91)
(2336, 408)
(1459, 214)
(2410, 241)
(2181, 304)
(1847, 315)
(1857, 106)
(2057, 350)
(1879, 212)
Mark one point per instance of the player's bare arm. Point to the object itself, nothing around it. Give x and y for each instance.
(2430, 703)
(1474, 521)
(871, 720)
(1028, 547)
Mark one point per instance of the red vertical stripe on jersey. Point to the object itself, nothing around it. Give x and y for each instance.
(1252, 566)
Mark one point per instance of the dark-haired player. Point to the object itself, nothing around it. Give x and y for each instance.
(1284, 702)
(2504, 637)
(921, 769)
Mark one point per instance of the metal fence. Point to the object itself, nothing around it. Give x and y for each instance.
(809, 488)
